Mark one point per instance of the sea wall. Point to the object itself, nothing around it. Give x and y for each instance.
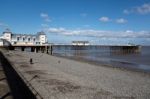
(18, 87)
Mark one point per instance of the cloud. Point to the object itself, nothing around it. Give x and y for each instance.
(107, 19)
(45, 17)
(44, 25)
(143, 9)
(121, 20)
(104, 19)
(56, 30)
(86, 25)
(126, 11)
(3, 25)
(84, 14)
(99, 33)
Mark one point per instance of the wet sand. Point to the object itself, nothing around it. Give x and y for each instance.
(124, 65)
(60, 78)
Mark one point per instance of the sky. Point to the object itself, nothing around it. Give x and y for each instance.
(97, 21)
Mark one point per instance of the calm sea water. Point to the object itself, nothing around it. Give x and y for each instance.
(104, 55)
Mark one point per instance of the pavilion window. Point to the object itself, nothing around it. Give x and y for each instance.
(29, 39)
(17, 38)
(34, 39)
(23, 39)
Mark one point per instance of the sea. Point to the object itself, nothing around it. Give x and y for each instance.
(104, 55)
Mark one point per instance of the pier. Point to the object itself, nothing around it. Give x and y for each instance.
(31, 48)
(49, 49)
(126, 49)
(112, 48)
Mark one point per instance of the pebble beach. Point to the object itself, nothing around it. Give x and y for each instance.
(60, 78)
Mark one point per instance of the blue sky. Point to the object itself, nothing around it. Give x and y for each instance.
(98, 21)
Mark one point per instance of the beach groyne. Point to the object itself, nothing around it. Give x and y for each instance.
(19, 89)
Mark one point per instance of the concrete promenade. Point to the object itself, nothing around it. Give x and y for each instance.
(58, 78)
(5, 92)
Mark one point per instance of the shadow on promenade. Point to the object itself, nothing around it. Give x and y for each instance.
(19, 89)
